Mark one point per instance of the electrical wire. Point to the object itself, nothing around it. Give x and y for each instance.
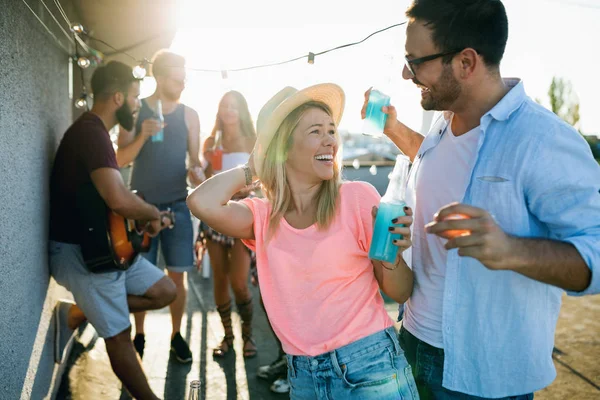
(305, 56)
(58, 42)
(359, 42)
(77, 40)
(124, 51)
(62, 12)
(115, 50)
(83, 44)
(134, 45)
(57, 23)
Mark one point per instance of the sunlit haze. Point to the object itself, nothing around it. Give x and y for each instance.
(546, 38)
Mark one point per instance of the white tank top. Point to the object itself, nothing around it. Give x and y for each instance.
(232, 160)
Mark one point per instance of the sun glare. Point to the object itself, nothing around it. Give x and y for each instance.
(224, 36)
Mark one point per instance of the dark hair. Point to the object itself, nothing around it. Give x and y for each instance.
(112, 77)
(459, 24)
(163, 60)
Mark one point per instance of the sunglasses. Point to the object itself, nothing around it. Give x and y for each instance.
(410, 64)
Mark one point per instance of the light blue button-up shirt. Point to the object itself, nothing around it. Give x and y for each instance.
(536, 175)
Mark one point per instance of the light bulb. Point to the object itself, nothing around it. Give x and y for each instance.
(77, 27)
(83, 62)
(81, 102)
(373, 169)
(139, 71)
(356, 163)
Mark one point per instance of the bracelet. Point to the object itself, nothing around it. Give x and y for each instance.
(391, 269)
(248, 174)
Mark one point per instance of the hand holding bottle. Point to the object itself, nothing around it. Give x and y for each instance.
(150, 127)
(159, 136)
(399, 228)
(391, 208)
(391, 122)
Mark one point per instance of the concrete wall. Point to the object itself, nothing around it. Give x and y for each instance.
(35, 110)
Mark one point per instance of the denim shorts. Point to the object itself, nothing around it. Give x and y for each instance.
(177, 244)
(101, 297)
(373, 367)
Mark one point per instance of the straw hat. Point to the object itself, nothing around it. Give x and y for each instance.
(283, 103)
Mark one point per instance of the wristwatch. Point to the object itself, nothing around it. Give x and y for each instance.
(248, 174)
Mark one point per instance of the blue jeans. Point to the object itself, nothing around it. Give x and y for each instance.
(176, 244)
(373, 367)
(428, 368)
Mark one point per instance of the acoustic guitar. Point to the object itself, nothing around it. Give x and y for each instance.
(110, 242)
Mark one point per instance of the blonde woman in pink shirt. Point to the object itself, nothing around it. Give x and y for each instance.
(311, 235)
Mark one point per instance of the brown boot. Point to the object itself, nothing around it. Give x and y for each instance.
(227, 342)
(246, 311)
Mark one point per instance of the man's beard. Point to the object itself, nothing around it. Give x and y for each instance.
(125, 117)
(442, 95)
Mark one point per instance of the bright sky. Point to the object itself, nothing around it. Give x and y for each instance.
(546, 38)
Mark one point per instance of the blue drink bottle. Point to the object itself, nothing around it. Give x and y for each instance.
(391, 206)
(159, 137)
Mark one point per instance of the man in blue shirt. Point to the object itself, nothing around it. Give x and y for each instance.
(488, 283)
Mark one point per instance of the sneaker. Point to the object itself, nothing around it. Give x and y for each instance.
(181, 349)
(281, 385)
(273, 370)
(62, 332)
(139, 342)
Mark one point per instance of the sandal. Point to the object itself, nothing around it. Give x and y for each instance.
(246, 312)
(227, 343)
(249, 352)
(223, 348)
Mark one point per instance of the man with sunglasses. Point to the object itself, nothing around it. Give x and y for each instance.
(159, 173)
(481, 319)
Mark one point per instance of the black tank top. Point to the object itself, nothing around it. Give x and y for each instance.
(159, 171)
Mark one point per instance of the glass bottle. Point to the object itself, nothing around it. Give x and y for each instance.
(391, 206)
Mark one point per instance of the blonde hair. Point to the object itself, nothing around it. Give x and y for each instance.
(274, 178)
(164, 60)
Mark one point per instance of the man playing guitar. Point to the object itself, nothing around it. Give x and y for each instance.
(85, 155)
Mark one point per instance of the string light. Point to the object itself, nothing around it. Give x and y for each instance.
(140, 71)
(83, 62)
(310, 56)
(95, 57)
(77, 28)
(81, 102)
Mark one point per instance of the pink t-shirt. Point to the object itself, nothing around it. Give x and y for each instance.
(318, 286)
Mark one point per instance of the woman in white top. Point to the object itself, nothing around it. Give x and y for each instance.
(234, 135)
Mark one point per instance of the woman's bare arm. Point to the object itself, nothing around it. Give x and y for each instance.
(210, 202)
